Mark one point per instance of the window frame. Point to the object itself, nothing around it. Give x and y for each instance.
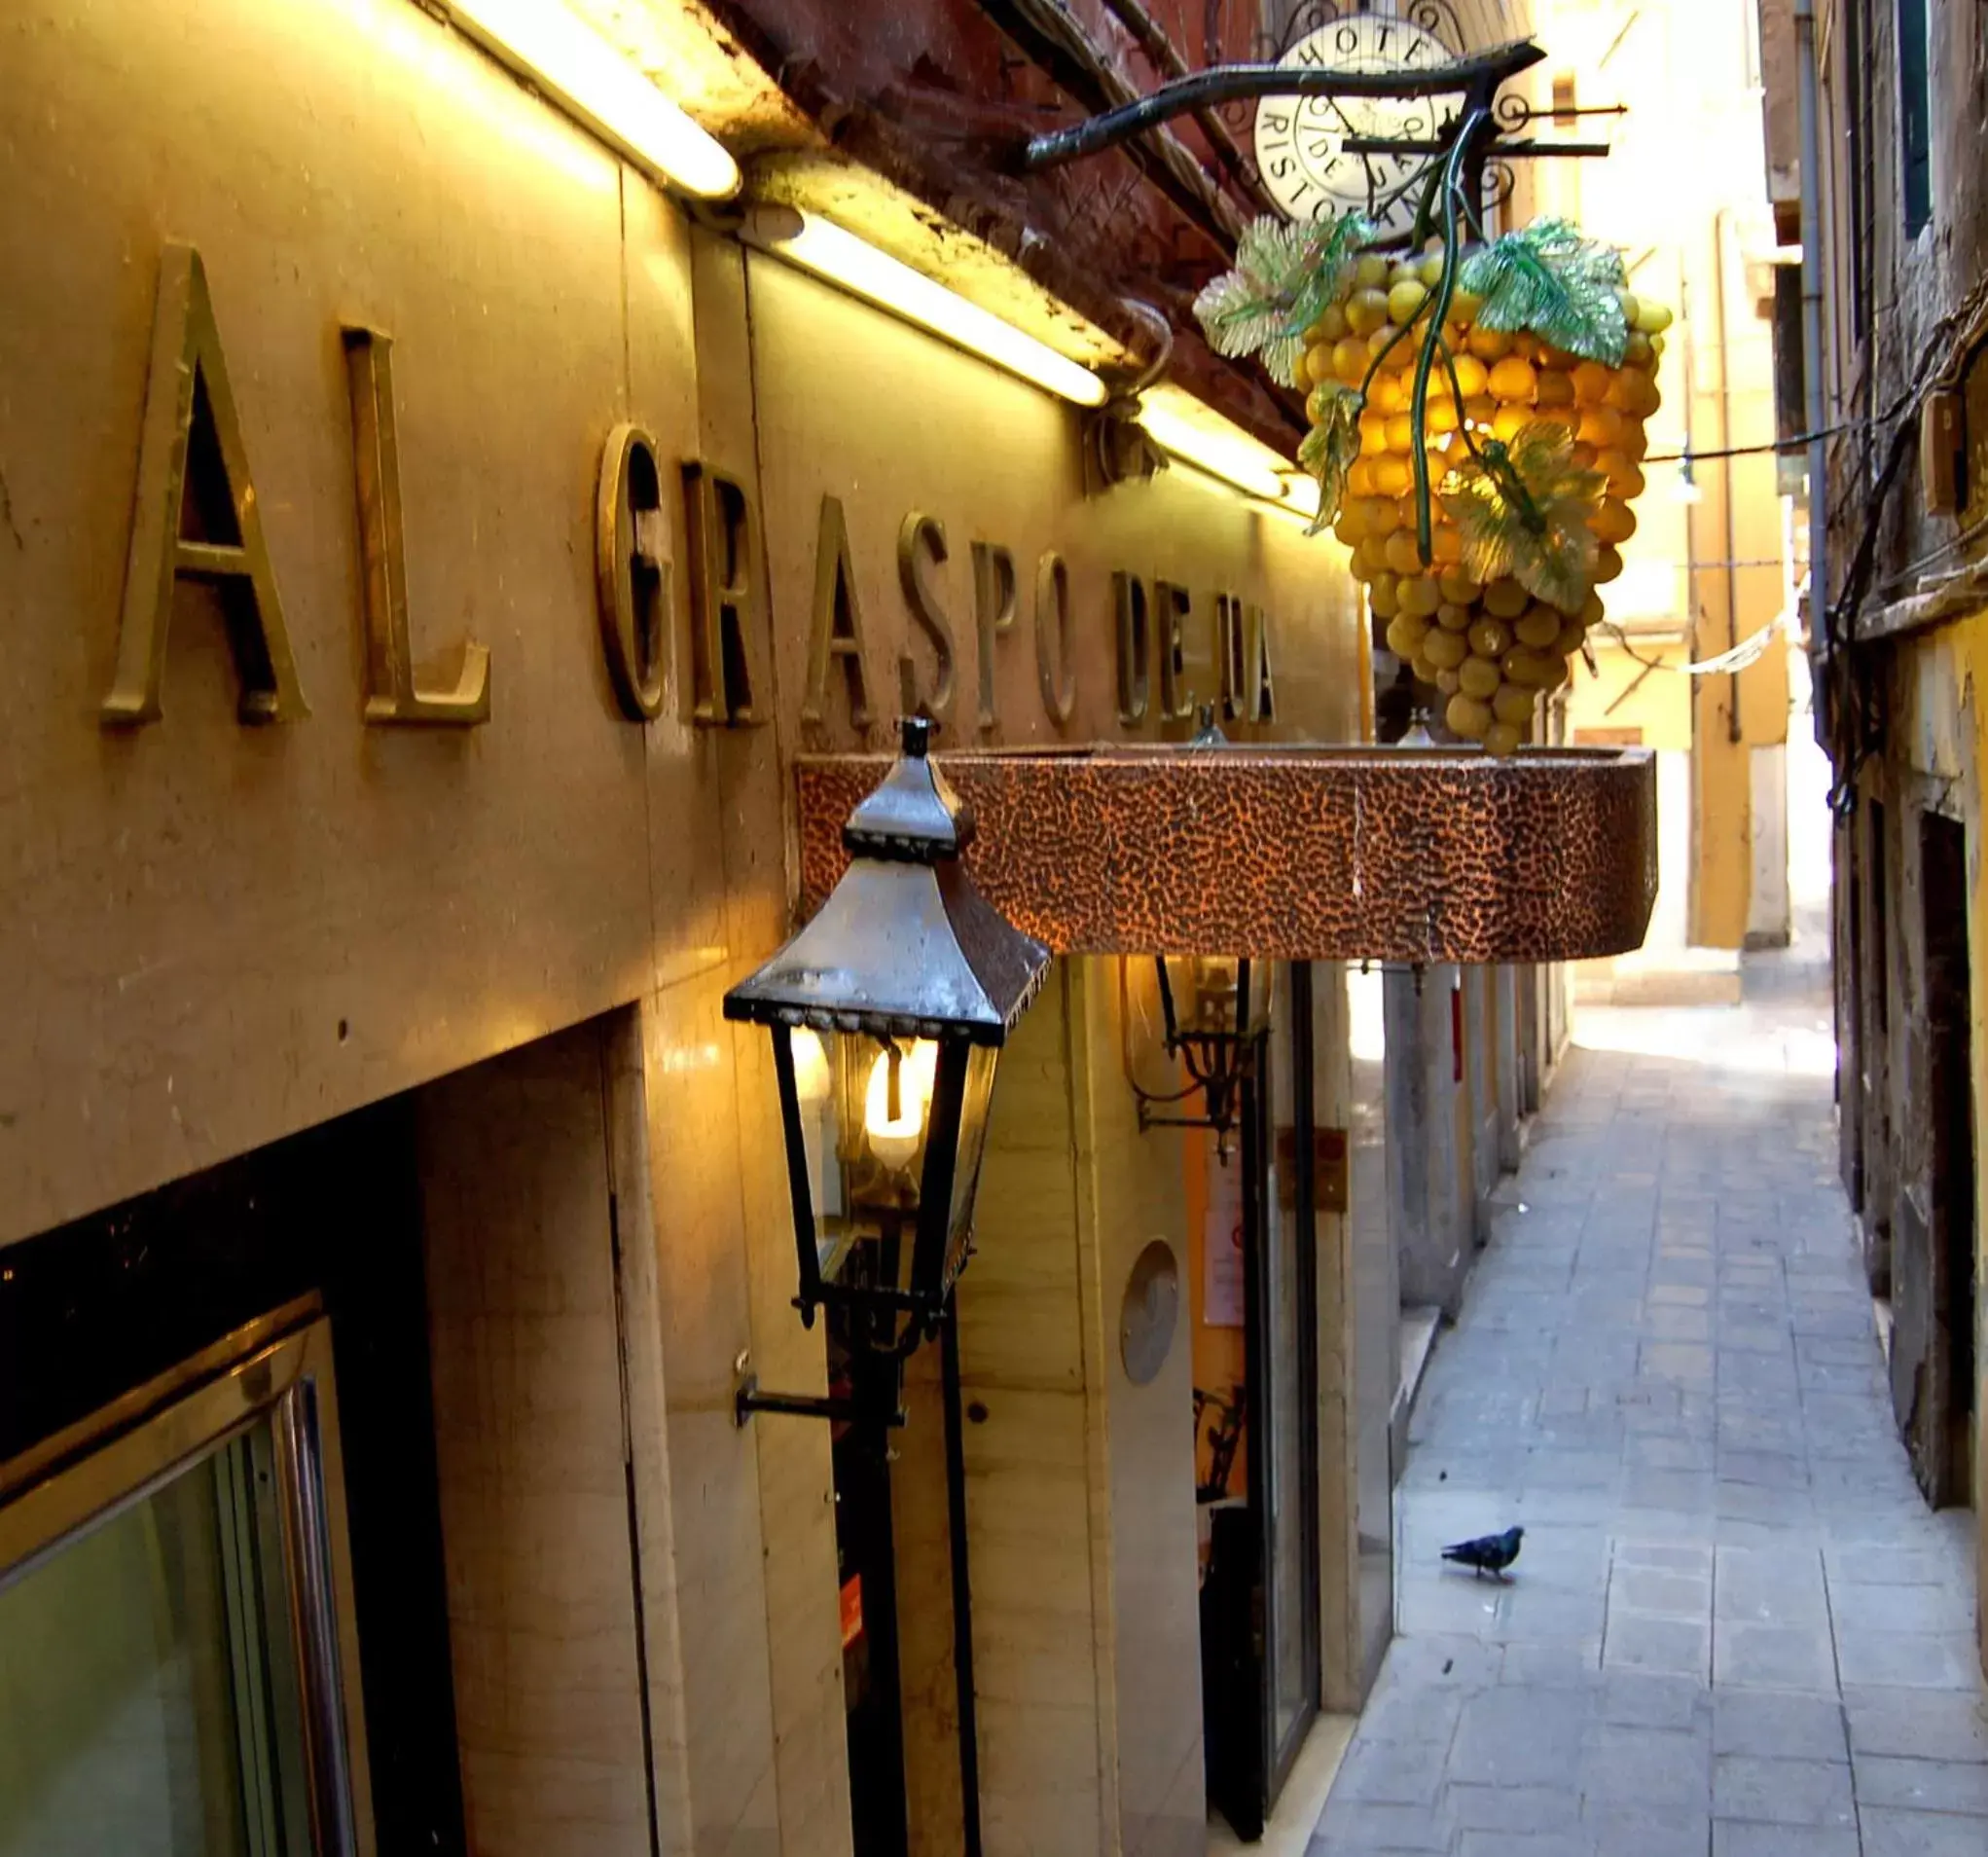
(116, 1459)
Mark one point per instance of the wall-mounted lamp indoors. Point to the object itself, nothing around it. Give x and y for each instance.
(1216, 1011)
(887, 1013)
(852, 263)
(592, 82)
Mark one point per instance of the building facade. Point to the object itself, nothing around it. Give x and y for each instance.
(1684, 192)
(434, 544)
(1897, 193)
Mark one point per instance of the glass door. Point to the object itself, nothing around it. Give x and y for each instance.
(1260, 1626)
(1284, 1367)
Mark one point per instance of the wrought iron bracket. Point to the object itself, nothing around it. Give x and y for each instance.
(1478, 75)
(1476, 79)
(748, 1399)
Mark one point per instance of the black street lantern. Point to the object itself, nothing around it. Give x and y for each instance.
(887, 1012)
(1215, 1010)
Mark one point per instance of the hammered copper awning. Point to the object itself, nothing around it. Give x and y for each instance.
(1296, 853)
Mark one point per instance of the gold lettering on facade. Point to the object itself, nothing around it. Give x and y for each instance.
(837, 633)
(1172, 604)
(722, 596)
(196, 517)
(392, 697)
(1259, 691)
(1054, 654)
(921, 548)
(1134, 647)
(632, 571)
(1229, 655)
(994, 599)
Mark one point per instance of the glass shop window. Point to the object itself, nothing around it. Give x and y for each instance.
(170, 1680)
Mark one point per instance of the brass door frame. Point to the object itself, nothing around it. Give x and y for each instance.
(288, 1380)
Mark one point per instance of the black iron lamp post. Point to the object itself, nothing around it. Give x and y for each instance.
(887, 1012)
(1215, 1010)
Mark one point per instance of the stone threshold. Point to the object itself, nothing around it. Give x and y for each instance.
(1294, 1821)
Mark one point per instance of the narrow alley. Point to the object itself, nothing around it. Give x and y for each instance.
(1733, 1628)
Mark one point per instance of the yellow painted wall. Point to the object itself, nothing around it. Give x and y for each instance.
(1683, 192)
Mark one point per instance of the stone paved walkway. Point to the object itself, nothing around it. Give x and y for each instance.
(1734, 1629)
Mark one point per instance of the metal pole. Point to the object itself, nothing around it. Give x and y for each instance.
(963, 1593)
(1821, 641)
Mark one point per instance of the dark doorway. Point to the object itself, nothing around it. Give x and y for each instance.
(1948, 1433)
(1259, 1616)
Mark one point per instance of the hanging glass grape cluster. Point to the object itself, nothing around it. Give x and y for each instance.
(1476, 430)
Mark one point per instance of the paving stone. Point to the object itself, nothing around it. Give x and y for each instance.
(1353, 1826)
(1777, 1792)
(1937, 1608)
(1922, 1785)
(1632, 1698)
(1377, 1772)
(1777, 1727)
(1649, 1834)
(1907, 1659)
(1653, 1591)
(1738, 1837)
(1633, 1765)
(1917, 1723)
(1673, 1647)
(1504, 1843)
(1515, 1808)
(1518, 1736)
(1667, 1369)
(1896, 1833)
(1773, 1656)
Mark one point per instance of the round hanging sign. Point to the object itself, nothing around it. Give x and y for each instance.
(1301, 142)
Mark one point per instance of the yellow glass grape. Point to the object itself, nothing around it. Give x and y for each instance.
(1405, 633)
(1514, 382)
(1469, 718)
(1404, 556)
(1446, 650)
(1418, 595)
(1365, 311)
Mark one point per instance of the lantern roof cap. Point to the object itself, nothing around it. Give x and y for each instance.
(912, 814)
(904, 946)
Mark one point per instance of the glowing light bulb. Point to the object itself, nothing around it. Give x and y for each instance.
(811, 1079)
(894, 1138)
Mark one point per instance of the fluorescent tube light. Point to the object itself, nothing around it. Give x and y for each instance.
(1212, 444)
(859, 267)
(566, 57)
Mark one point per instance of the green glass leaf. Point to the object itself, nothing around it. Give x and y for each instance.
(1549, 281)
(1284, 276)
(1328, 451)
(1523, 510)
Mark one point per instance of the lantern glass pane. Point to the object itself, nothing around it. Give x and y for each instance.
(865, 1111)
(973, 1120)
(1205, 994)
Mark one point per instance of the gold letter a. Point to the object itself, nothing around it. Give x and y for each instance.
(196, 516)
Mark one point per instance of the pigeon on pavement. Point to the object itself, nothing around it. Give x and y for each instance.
(1488, 1554)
